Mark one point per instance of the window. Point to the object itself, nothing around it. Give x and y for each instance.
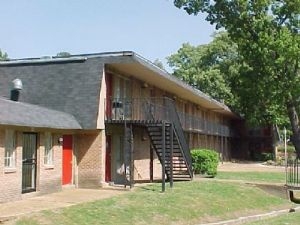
(10, 149)
(48, 159)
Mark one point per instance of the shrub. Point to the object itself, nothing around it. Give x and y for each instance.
(267, 156)
(205, 161)
(290, 148)
(264, 156)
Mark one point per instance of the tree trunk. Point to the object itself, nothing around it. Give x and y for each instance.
(294, 119)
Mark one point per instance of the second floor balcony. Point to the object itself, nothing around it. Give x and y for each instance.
(154, 109)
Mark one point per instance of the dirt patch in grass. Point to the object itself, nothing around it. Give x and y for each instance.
(247, 166)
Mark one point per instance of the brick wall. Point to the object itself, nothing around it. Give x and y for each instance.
(50, 176)
(142, 157)
(89, 159)
(10, 179)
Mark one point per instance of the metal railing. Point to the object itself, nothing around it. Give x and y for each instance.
(292, 173)
(156, 109)
(198, 124)
(179, 133)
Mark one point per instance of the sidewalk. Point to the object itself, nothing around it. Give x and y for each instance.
(65, 198)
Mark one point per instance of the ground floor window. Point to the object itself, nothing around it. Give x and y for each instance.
(48, 159)
(10, 149)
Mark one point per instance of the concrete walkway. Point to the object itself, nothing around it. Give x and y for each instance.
(65, 198)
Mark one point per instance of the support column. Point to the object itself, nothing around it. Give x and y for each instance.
(222, 149)
(131, 158)
(163, 185)
(125, 143)
(171, 155)
(151, 162)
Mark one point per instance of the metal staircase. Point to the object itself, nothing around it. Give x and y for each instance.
(175, 159)
(160, 118)
(168, 140)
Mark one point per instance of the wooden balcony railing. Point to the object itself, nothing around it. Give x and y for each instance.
(156, 109)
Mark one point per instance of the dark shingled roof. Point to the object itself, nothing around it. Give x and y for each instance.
(73, 84)
(28, 115)
(66, 85)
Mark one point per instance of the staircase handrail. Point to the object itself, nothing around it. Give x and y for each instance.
(174, 118)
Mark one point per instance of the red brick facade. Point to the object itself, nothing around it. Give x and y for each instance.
(48, 177)
(89, 149)
(10, 188)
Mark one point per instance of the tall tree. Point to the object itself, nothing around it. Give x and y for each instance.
(3, 56)
(267, 34)
(159, 64)
(63, 54)
(211, 68)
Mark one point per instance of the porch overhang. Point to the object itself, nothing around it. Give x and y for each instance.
(27, 115)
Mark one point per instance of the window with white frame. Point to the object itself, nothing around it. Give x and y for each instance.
(10, 149)
(48, 159)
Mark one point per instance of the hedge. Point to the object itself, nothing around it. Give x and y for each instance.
(205, 161)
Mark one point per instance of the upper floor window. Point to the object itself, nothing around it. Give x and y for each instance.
(48, 158)
(10, 149)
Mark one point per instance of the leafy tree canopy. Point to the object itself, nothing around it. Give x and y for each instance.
(211, 68)
(63, 54)
(267, 35)
(3, 56)
(159, 64)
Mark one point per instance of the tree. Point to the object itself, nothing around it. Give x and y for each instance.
(63, 54)
(211, 68)
(267, 35)
(159, 64)
(3, 56)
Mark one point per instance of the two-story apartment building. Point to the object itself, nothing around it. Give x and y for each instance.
(102, 118)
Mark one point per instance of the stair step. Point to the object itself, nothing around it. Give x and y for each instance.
(158, 141)
(176, 155)
(168, 150)
(179, 165)
(181, 173)
(159, 137)
(167, 153)
(176, 165)
(175, 146)
(175, 177)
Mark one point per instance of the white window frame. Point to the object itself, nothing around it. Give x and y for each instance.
(48, 154)
(10, 149)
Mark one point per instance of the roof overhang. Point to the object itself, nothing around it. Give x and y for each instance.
(22, 114)
(142, 69)
(132, 64)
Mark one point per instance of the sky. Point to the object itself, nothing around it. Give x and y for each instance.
(154, 29)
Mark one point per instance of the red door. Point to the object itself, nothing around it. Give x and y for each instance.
(67, 159)
(108, 159)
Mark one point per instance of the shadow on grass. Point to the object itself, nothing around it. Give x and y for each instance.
(272, 189)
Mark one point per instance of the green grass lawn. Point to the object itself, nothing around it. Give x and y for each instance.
(187, 203)
(269, 177)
